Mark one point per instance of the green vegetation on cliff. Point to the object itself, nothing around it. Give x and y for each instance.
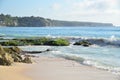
(8, 20)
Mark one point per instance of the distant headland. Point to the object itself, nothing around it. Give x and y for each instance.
(8, 20)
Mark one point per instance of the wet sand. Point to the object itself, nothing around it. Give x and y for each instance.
(47, 68)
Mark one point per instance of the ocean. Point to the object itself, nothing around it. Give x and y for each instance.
(104, 54)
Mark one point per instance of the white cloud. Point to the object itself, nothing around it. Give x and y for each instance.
(96, 5)
(56, 6)
(90, 10)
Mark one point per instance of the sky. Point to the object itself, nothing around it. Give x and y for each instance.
(106, 11)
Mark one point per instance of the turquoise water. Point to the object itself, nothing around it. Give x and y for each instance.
(105, 57)
(104, 32)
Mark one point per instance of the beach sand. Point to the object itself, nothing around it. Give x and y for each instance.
(14, 72)
(49, 68)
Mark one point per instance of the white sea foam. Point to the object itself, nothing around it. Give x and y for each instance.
(87, 61)
(113, 38)
(115, 70)
(1, 34)
(92, 56)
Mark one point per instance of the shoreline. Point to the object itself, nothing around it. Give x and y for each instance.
(52, 68)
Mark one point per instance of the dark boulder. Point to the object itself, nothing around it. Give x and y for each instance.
(83, 43)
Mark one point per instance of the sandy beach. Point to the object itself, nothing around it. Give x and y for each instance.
(48, 68)
(61, 69)
(14, 72)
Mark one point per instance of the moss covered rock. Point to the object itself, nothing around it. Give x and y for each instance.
(58, 42)
(10, 43)
(36, 41)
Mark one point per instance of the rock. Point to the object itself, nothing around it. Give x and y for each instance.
(16, 49)
(36, 52)
(1, 50)
(27, 59)
(83, 43)
(12, 54)
(5, 58)
(58, 42)
(15, 53)
(48, 50)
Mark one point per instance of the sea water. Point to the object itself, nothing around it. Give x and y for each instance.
(104, 57)
(92, 32)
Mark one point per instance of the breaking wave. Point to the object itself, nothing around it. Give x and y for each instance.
(88, 62)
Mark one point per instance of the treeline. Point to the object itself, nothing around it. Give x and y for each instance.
(8, 20)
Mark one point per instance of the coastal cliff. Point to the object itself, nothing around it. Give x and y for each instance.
(8, 20)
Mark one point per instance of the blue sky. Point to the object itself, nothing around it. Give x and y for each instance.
(72, 10)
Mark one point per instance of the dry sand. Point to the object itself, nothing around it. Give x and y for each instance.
(14, 72)
(47, 68)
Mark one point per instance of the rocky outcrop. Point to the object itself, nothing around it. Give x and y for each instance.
(27, 59)
(5, 58)
(83, 43)
(37, 41)
(15, 53)
(12, 54)
(36, 52)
